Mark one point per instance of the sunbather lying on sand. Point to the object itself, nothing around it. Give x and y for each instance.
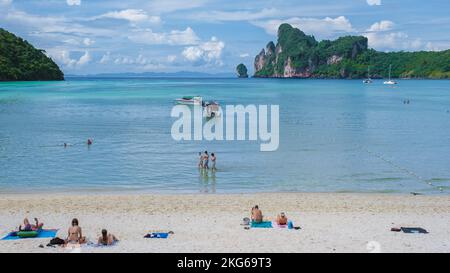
(256, 214)
(282, 219)
(107, 239)
(75, 235)
(29, 227)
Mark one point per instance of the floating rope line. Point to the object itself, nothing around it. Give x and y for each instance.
(410, 173)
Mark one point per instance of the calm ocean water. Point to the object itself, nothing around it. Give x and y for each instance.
(335, 136)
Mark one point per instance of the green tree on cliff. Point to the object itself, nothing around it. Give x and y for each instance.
(20, 61)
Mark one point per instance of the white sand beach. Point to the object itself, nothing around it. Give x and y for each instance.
(330, 222)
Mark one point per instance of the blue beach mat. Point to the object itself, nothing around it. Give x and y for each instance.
(159, 235)
(45, 233)
(267, 224)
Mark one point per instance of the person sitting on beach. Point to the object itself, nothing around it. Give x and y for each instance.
(256, 214)
(29, 227)
(75, 235)
(282, 219)
(206, 160)
(200, 163)
(213, 160)
(107, 239)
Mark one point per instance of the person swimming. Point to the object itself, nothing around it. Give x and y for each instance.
(256, 214)
(89, 142)
(29, 227)
(75, 235)
(107, 239)
(206, 160)
(213, 160)
(282, 219)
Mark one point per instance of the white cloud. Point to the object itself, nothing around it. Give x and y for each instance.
(5, 2)
(77, 42)
(132, 15)
(394, 41)
(140, 60)
(374, 2)
(381, 37)
(73, 2)
(62, 56)
(171, 58)
(85, 59)
(167, 6)
(244, 55)
(381, 26)
(210, 51)
(105, 58)
(88, 41)
(39, 25)
(324, 28)
(174, 37)
(234, 15)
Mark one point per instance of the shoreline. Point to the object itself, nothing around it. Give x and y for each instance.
(330, 222)
(122, 192)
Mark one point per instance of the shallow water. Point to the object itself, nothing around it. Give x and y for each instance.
(335, 136)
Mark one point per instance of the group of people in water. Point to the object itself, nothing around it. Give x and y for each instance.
(257, 216)
(204, 160)
(74, 233)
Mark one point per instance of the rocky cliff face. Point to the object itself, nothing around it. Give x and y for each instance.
(299, 55)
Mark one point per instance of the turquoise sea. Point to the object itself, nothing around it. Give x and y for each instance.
(335, 136)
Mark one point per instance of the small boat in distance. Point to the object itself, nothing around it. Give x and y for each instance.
(190, 100)
(368, 80)
(390, 81)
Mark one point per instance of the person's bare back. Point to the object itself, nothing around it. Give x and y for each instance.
(257, 214)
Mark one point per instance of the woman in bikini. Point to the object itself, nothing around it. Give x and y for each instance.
(75, 235)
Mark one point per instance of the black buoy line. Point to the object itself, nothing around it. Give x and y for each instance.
(405, 170)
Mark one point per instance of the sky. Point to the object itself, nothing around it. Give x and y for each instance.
(212, 36)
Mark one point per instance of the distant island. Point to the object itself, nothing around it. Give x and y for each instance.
(179, 74)
(20, 61)
(241, 71)
(297, 55)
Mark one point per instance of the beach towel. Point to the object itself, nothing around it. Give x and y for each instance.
(264, 224)
(44, 233)
(159, 235)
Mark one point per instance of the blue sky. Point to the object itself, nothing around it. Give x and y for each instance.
(92, 36)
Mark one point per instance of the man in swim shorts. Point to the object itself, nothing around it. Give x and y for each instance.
(107, 239)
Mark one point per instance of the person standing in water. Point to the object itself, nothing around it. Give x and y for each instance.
(89, 142)
(200, 163)
(213, 160)
(206, 160)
